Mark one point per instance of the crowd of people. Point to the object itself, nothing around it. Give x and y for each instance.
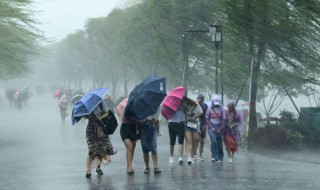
(189, 125)
(18, 97)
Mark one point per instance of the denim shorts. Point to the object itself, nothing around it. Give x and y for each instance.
(148, 137)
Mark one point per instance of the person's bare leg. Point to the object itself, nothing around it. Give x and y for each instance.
(181, 146)
(155, 159)
(88, 163)
(130, 146)
(201, 144)
(188, 137)
(171, 150)
(229, 153)
(146, 159)
(195, 140)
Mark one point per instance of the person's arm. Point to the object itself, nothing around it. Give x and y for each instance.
(208, 121)
(106, 111)
(223, 118)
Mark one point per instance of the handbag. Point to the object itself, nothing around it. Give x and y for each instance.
(192, 125)
(110, 123)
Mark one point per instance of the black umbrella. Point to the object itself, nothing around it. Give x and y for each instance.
(145, 98)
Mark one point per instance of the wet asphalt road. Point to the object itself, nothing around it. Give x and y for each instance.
(37, 151)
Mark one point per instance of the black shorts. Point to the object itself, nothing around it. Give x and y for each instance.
(176, 130)
(129, 131)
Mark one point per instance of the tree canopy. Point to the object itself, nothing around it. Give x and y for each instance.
(18, 35)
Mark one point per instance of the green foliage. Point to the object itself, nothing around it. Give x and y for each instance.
(17, 37)
(146, 38)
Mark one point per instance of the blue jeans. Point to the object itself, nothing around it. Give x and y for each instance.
(216, 145)
(148, 138)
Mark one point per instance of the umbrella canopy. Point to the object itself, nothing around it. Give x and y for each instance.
(75, 99)
(121, 107)
(172, 101)
(88, 103)
(145, 98)
(57, 93)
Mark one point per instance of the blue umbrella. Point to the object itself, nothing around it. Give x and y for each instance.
(88, 103)
(145, 98)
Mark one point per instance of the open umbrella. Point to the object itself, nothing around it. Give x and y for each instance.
(75, 99)
(121, 107)
(88, 103)
(57, 93)
(172, 101)
(145, 98)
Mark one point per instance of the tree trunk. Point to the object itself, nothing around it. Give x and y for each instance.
(254, 91)
(125, 82)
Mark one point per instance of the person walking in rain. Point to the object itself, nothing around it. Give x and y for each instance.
(129, 134)
(192, 127)
(63, 106)
(176, 129)
(215, 121)
(231, 131)
(99, 144)
(203, 123)
(148, 139)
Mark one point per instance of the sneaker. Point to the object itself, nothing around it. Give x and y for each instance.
(213, 160)
(180, 160)
(159, 134)
(99, 171)
(190, 161)
(200, 158)
(230, 160)
(219, 161)
(171, 160)
(157, 171)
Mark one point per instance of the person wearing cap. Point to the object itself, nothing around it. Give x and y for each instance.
(231, 131)
(203, 123)
(215, 120)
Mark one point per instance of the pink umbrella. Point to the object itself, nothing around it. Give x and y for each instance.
(57, 93)
(121, 107)
(172, 101)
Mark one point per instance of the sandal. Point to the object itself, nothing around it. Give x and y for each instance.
(88, 174)
(130, 171)
(157, 171)
(147, 171)
(99, 171)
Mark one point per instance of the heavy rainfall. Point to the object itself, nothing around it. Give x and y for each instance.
(171, 94)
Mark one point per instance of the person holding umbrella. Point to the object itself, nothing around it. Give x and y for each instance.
(175, 114)
(148, 139)
(144, 101)
(99, 143)
(93, 108)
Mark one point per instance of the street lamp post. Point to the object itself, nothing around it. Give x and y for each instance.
(215, 30)
(216, 37)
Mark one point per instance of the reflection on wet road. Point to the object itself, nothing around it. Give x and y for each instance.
(39, 152)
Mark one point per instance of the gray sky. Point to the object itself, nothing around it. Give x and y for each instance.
(61, 17)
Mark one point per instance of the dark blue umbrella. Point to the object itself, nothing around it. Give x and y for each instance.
(88, 103)
(145, 98)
